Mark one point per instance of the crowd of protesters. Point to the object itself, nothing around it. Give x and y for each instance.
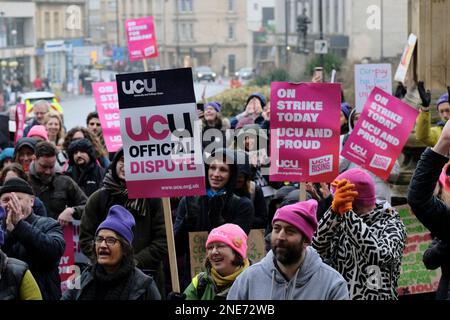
(328, 247)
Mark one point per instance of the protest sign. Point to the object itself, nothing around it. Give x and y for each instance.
(141, 38)
(305, 129)
(414, 276)
(67, 262)
(20, 121)
(197, 248)
(380, 133)
(160, 134)
(369, 76)
(79, 256)
(106, 101)
(405, 60)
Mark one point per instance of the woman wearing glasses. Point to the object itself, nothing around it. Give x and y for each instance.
(114, 275)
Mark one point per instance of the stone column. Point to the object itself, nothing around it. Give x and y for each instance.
(331, 16)
(315, 16)
(341, 22)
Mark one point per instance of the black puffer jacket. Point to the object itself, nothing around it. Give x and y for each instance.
(430, 210)
(438, 256)
(12, 272)
(90, 177)
(142, 287)
(39, 242)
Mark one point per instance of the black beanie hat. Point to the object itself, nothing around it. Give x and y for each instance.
(16, 185)
(83, 145)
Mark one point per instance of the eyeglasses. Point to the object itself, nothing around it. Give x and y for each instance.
(110, 241)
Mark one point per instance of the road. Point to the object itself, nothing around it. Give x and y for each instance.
(76, 108)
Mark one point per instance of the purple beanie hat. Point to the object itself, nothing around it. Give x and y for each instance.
(217, 106)
(442, 99)
(119, 220)
(364, 185)
(301, 215)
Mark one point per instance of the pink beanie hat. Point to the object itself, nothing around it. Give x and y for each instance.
(364, 185)
(38, 130)
(301, 215)
(232, 235)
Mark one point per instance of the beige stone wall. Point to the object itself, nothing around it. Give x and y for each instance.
(51, 21)
(429, 20)
(210, 22)
(366, 41)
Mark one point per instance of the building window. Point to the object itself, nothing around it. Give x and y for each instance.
(185, 5)
(186, 31)
(231, 31)
(231, 5)
(47, 26)
(57, 27)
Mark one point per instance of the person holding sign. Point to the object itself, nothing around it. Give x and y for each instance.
(114, 275)
(150, 243)
(292, 270)
(361, 239)
(219, 206)
(429, 209)
(424, 131)
(226, 258)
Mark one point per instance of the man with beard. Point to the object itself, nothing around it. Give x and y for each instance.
(62, 197)
(83, 168)
(292, 270)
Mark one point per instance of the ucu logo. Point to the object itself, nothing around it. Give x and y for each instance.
(358, 150)
(138, 86)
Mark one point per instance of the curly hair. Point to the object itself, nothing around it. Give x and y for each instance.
(99, 150)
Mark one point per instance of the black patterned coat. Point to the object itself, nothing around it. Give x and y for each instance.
(366, 250)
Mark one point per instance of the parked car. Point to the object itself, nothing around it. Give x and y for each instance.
(30, 98)
(245, 73)
(204, 73)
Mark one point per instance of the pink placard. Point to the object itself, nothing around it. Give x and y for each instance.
(305, 131)
(20, 121)
(141, 38)
(380, 133)
(67, 262)
(105, 95)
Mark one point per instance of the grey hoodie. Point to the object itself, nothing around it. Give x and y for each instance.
(314, 281)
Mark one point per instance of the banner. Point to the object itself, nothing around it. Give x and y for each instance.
(405, 60)
(369, 76)
(197, 249)
(161, 134)
(67, 263)
(141, 38)
(414, 276)
(20, 121)
(106, 101)
(305, 129)
(380, 133)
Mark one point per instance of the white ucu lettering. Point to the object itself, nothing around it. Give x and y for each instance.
(138, 86)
